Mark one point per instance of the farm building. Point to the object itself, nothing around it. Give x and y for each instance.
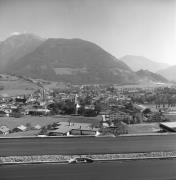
(67, 129)
(168, 126)
(20, 128)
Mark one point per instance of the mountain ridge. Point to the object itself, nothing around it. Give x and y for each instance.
(137, 63)
(148, 76)
(73, 60)
(16, 46)
(169, 73)
(67, 60)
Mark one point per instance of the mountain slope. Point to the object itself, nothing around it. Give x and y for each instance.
(17, 46)
(169, 73)
(73, 60)
(148, 76)
(138, 62)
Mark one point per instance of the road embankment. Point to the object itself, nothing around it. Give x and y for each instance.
(98, 157)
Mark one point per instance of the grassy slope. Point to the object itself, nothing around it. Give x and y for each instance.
(16, 86)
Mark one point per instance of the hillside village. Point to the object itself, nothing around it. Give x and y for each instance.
(94, 110)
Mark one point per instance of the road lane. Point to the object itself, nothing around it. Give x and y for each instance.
(88, 145)
(128, 170)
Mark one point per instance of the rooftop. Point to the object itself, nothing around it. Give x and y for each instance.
(169, 124)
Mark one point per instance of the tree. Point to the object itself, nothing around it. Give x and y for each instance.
(97, 107)
(147, 111)
(55, 108)
(43, 131)
(28, 126)
(68, 107)
(90, 113)
(49, 127)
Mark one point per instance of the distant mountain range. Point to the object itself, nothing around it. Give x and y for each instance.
(148, 76)
(169, 73)
(137, 63)
(67, 60)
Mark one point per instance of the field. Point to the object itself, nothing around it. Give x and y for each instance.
(143, 128)
(145, 85)
(13, 86)
(11, 122)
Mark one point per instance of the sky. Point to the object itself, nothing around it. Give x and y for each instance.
(121, 27)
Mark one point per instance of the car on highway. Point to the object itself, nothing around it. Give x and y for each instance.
(80, 160)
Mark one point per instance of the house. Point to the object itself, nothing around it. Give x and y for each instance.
(115, 116)
(38, 112)
(168, 126)
(37, 127)
(61, 131)
(89, 132)
(90, 107)
(4, 130)
(83, 129)
(4, 113)
(140, 107)
(20, 99)
(20, 128)
(67, 129)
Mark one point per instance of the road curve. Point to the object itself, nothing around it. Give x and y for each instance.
(128, 170)
(86, 145)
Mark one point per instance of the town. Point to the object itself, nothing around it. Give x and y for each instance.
(88, 110)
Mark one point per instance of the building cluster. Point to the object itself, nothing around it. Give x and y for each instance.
(71, 129)
(116, 105)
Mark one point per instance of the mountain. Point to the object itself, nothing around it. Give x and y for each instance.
(148, 76)
(72, 60)
(169, 73)
(138, 62)
(16, 46)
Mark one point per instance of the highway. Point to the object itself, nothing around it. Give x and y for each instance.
(86, 145)
(127, 170)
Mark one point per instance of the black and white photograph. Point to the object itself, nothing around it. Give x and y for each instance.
(88, 89)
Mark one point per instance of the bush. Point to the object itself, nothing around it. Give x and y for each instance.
(28, 126)
(43, 131)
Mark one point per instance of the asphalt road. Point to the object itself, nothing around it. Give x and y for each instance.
(88, 145)
(128, 170)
